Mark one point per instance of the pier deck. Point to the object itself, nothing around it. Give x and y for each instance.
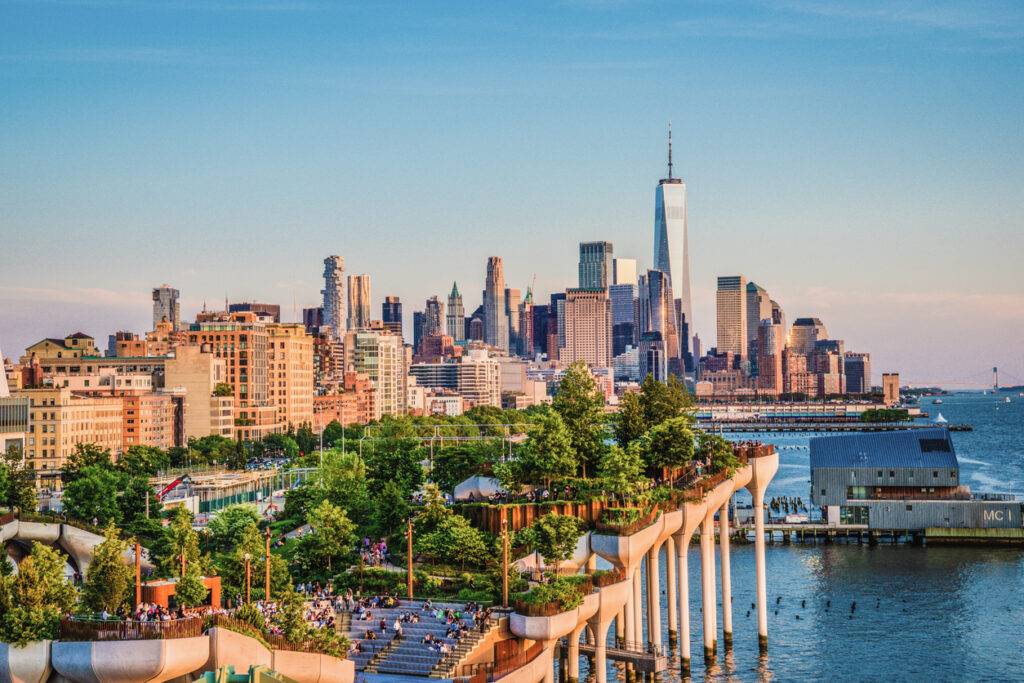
(763, 427)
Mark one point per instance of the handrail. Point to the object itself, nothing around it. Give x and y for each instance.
(76, 629)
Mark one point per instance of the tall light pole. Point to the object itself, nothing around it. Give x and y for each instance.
(266, 589)
(504, 559)
(408, 552)
(248, 577)
(138, 575)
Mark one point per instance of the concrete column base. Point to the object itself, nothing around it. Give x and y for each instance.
(709, 655)
(727, 638)
(762, 642)
(673, 638)
(684, 665)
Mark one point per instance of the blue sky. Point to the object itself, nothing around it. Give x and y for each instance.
(862, 161)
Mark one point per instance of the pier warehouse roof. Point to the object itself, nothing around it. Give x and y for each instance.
(912, 448)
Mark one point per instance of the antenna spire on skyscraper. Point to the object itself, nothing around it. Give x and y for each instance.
(670, 150)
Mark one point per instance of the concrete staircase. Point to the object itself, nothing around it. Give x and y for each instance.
(448, 666)
(407, 655)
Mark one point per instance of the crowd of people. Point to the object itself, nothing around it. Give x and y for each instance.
(374, 553)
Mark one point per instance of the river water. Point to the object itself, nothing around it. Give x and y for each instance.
(935, 614)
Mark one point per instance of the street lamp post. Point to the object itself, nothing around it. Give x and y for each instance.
(408, 552)
(266, 589)
(138, 575)
(248, 578)
(504, 560)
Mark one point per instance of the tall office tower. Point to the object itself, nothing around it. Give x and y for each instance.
(433, 318)
(624, 271)
(858, 372)
(770, 342)
(290, 363)
(495, 318)
(759, 307)
(525, 336)
(731, 303)
(829, 366)
(166, 306)
(891, 388)
(778, 315)
(671, 250)
(312, 319)
(595, 269)
(419, 321)
(624, 327)
(652, 356)
(391, 314)
(588, 327)
(804, 334)
(657, 311)
(541, 314)
(358, 302)
(334, 295)
(513, 298)
(556, 325)
(379, 355)
(455, 321)
(696, 347)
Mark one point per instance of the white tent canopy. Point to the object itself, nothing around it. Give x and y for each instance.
(478, 487)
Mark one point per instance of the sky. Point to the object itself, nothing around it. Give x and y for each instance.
(862, 161)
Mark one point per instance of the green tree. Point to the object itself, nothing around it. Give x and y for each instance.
(555, 537)
(189, 591)
(394, 461)
(669, 444)
(33, 600)
(664, 400)
(621, 469)
(454, 464)
(305, 439)
(222, 389)
(132, 502)
(277, 446)
(231, 567)
(581, 406)
(94, 494)
(17, 482)
(715, 451)
(453, 540)
(180, 539)
(391, 511)
(332, 535)
(629, 424)
(110, 581)
(84, 455)
(143, 460)
(343, 478)
(227, 527)
(332, 434)
(549, 453)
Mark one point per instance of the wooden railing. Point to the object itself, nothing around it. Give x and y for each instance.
(91, 630)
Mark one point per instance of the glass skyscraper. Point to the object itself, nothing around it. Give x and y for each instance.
(671, 253)
(595, 270)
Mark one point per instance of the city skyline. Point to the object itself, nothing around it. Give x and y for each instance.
(922, 274)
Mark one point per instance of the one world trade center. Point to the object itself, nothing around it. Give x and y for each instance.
(671, 253)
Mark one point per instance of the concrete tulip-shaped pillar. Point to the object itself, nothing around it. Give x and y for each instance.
(707, 581)
(574, 653)
(653, 597)
(763, 468)
(723, 549)
(638, 610)
(670, 581)
(692, 515)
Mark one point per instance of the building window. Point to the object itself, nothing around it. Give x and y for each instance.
(892, 474)
(910, 508)
(935, 474)
(823, 492)
(879, 474)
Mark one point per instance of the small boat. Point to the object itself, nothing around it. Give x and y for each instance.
(1006, 400)
(937, 402)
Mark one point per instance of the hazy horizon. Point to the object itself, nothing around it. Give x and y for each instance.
(863, 163)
